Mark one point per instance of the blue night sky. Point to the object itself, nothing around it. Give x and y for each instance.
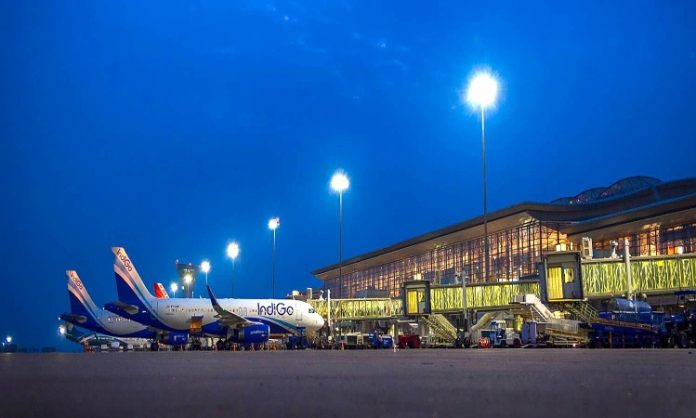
(171, 128)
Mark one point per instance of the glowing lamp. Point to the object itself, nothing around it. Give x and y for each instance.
(232, 250)
(339, 182)
(482, 90)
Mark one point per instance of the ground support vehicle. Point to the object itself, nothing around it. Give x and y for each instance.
(376, 340)
(626, 323)
(608, 333)
(409, 341)
(351, 341)
(500, 336)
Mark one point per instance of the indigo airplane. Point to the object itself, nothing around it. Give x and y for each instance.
(85, 314)
(79, 336)
(238, 320)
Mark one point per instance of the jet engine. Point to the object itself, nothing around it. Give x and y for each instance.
(252, 333)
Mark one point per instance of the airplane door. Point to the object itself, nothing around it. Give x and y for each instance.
(298, 313)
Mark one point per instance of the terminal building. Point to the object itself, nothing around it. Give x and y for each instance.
(657, 218)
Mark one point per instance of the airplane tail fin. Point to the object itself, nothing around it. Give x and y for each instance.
(160, 291)
(129, 285)
(81, 302)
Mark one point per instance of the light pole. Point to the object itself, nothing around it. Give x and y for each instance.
(233, 252)
(188, 279)
(205, 268)
(174, 287)
(340, 183)
(273, 224)
(481, 95)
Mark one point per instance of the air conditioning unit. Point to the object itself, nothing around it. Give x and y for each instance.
(587, 253)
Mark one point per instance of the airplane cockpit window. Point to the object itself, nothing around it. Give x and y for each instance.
(311, 310)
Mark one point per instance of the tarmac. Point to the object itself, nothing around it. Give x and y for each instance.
(370, 383)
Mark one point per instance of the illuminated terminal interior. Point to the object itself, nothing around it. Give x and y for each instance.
(657, 218)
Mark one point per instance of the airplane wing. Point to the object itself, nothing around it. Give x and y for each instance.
(224, 316)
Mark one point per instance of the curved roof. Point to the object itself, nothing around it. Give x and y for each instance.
(620, 188)
(631, 199)
(589, 195)
(562, 200)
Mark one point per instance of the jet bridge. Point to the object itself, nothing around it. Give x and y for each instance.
(599, 278)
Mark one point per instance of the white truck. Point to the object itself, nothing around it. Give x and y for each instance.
(492, 330)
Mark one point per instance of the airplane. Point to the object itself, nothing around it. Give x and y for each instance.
(76, 335)
(238, 320)
(85, 314)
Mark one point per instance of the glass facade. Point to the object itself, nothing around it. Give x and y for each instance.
(656, 240)
(514, 254)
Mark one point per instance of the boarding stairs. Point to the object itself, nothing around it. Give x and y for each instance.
(561, 332)
(582, 311)
(536, 307)
(441, 327)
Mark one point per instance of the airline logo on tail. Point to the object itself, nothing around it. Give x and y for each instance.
(129, 285)
(82, 307)
(132, 291)
(160, 291)
(121, 254)
(72, 274)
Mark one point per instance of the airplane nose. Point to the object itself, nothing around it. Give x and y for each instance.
(320, 321)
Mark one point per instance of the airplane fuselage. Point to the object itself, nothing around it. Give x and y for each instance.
(119, 326)
(283, 316)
